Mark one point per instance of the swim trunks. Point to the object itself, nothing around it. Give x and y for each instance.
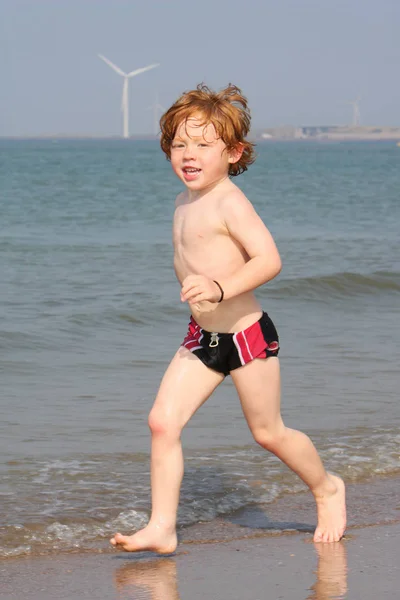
(225, 352)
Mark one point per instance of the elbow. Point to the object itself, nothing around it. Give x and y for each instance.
(278, 266)
(272, 267)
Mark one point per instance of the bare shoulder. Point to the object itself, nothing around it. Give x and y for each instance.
(235, 205)
(180, 199)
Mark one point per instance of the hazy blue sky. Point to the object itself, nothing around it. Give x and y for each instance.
(298, 61)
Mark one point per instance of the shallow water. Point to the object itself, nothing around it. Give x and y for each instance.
(90, 317)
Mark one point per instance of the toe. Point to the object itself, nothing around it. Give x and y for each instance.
(117, 539)
(317, 536)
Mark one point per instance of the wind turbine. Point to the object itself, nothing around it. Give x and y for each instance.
(126, 76)
(356, 111)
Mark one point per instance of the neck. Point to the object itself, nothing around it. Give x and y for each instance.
(197, 194)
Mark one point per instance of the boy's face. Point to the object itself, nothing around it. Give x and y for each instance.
(198, 156)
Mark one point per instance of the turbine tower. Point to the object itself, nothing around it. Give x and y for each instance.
(126, 76)
(356, 111)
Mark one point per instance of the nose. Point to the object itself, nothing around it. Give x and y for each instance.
(189, 152)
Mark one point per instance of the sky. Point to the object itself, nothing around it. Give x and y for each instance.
(299, 62)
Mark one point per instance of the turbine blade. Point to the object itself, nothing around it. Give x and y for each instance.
(142, 70)
(110, 64)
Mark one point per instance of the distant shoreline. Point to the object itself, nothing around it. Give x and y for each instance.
(333, 132)
(258, 139)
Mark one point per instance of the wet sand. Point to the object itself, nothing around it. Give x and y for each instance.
(363, 565)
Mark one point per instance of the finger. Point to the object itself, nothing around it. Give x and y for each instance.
(191, 280)
(199, 298)
(189, 294)
(189, 286)
(194, 294)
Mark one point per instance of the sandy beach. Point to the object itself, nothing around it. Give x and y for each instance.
(364, 565)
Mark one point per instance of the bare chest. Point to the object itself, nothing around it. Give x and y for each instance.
(195, 227)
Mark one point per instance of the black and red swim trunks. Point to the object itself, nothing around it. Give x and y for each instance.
(225, 352)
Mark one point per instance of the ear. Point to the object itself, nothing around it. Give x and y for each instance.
(236, 154)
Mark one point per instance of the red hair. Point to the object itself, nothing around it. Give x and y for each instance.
(227, 110)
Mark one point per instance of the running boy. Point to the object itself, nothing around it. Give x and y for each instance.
(222, 253)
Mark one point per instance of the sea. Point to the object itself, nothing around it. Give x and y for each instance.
(90, 317)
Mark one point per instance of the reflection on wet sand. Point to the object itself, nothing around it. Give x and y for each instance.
(157, 579)
(331, 572)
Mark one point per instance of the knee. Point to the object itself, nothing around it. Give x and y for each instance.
(270, 438)
(162, 425)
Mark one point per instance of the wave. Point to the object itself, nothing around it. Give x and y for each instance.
(338, 285)
(77, 503)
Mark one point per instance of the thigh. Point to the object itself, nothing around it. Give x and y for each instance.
(186, 385)
(259, 389)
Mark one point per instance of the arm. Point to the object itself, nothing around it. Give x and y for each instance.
(245, 226)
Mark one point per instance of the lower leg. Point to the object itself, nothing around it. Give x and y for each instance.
(298, 452)
(166, 478)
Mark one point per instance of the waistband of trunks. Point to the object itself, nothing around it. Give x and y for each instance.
(192, 320)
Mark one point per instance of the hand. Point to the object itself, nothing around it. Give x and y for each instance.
(198, 288)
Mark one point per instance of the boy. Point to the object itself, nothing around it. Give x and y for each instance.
(222, 252)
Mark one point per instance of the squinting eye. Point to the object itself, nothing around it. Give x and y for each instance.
(177, 145)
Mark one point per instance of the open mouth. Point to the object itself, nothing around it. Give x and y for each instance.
(191, 170)
(190, 173)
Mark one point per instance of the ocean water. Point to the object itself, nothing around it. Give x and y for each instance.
(90, 317)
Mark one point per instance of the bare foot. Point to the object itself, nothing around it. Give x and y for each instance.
(151, 538)
(331, 508)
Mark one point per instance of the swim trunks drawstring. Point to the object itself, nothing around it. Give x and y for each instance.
(214, 340)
